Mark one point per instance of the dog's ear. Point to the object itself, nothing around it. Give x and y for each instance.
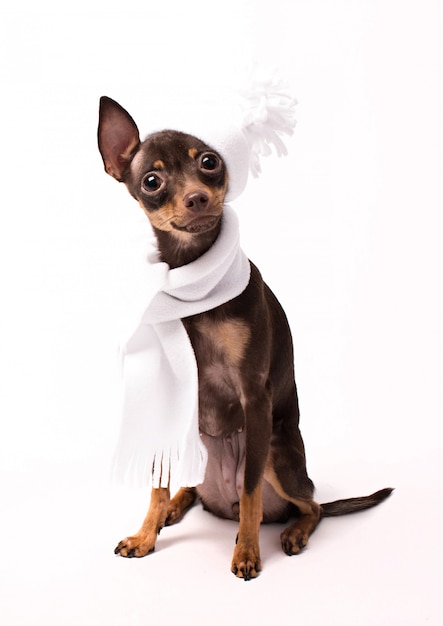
(118, 137)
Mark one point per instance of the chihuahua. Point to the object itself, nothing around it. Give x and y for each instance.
(248, 404)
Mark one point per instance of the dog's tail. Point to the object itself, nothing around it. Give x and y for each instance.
(352, 505)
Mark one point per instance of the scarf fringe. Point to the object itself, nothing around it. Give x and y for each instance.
(159, 469)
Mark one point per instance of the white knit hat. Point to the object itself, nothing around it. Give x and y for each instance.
(242, 126)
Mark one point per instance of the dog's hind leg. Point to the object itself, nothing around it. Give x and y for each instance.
(286, 473)
(180, 503)
(295, 537)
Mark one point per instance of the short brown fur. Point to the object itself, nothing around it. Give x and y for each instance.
(246, 562)
(248, 404)
(231, 336)
(143, 542)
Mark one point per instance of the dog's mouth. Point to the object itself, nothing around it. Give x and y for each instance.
(198, 224)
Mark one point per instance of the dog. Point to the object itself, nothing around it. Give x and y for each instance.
(248, 404)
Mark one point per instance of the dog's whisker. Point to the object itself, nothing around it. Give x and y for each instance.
(167, 221)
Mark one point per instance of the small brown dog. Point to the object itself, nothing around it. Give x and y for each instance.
(248, 405)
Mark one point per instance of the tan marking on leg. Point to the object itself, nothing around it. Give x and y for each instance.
(246, 561)
(295, 537)
(179, 504)
(143, 542)
(230, 336)
(272, 478)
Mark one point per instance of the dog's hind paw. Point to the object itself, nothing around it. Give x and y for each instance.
(180, 504)
(293, 540)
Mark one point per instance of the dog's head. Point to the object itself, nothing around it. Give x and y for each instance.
(179, 181)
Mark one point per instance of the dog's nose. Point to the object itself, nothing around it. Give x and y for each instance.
(196, 200)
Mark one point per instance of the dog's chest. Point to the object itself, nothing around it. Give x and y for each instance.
(220, 347)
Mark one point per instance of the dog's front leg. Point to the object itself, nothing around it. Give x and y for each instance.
(143, 542)
(246, 561)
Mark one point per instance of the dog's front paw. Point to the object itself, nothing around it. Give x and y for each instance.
(246, 562)
(136, 546)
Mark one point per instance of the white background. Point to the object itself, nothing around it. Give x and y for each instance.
(346, 230)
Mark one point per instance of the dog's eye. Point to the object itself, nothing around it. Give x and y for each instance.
(152, 182)
(210, 162)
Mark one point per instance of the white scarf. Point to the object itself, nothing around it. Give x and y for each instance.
(159, 432)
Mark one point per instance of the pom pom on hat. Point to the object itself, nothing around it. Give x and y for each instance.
(243, 126)
(268, 113)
